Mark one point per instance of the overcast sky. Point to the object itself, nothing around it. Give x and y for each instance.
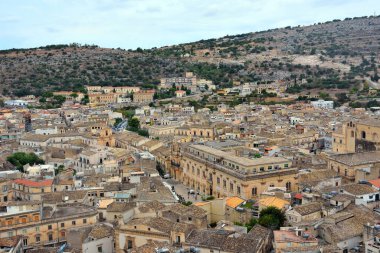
(153, 23)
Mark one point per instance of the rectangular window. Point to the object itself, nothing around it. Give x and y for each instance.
(231, 187)
(62, 225)
(37, 229)
(73, 223)
(84, 221)
(129, 244)
(218, 180)
(50, 236)
(238, 190)
(50, 227)
(38, 238)
(286, 165)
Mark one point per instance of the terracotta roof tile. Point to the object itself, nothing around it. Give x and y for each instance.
(31, 183)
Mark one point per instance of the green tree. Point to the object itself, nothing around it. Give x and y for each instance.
(117, 121)
(74, 95)
(48, 94)
(59, 169)
(134, 124)
(272, 217)
(324, 95)
(19, 159)
(85, 100)
(59, 99)
(143, 132)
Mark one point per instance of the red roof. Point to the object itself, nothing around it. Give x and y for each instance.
(375, 182)
(31, 183)
(298, 196)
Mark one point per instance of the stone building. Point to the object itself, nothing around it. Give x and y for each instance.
(45, 225)
(221, 174)
(143, 96)
(356, 166)
(357, 137)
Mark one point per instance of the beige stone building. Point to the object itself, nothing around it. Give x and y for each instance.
(69, 95)
(5, 189)
(308, 212)
(107, 89)
(102, 99)
(294, 240)
(139, 232)
(45, 226)
(357, 136)
(197, 131)
(187, 81)
(356, 166)
(143, 96)
(221, 174)
(25, 189)
(159, 131)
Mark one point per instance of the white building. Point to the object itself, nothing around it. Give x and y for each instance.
(245, 90)
(322, 104)
(16, 103)
(295, 120)
(47, 130)
(39, 170)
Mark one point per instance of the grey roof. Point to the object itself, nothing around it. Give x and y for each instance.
(353, 159)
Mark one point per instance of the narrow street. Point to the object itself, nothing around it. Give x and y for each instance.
(183, 190)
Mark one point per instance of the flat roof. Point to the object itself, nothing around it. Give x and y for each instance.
(246, 162)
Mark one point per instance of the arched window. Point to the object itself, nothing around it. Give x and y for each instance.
(363, 134)
(288, 186)
(254, 191)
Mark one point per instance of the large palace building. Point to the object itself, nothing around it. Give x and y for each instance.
(218, 173)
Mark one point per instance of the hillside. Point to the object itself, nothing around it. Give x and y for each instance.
(336, 54)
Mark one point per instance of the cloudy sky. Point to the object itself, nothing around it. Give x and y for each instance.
(153, 23)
